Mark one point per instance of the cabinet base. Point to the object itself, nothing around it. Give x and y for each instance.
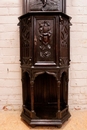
(52, 122)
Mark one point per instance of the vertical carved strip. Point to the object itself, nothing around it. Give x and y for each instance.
(25, 41)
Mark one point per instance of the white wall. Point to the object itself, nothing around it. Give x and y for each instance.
(77, 9)
(10, 72)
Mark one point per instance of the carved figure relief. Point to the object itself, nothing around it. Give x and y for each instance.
(46, 5)
(45, 34)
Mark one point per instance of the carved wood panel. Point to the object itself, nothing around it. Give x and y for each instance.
(64, 41)
(25, 40)
(46, 5)
(44, 41)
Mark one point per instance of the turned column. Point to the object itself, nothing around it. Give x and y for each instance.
(67, 91)
(58, 99)
(32, 98)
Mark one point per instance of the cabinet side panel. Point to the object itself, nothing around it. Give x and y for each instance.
(25, 40)
(64, 42)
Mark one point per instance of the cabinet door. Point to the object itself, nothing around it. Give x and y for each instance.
(44, 40)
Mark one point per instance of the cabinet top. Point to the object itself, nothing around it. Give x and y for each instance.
(40, 13)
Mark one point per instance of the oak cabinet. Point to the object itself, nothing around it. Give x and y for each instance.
(45, 57)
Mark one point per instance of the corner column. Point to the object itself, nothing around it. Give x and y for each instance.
(58, 114)
(32, 99)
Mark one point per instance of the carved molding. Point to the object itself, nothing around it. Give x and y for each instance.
(55, 74)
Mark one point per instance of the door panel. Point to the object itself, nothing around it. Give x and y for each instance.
(44, 40)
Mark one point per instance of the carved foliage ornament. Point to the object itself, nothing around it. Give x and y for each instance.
(64, 32)
(45, 34)
(25, 31)
(25, 28)
(63, 61)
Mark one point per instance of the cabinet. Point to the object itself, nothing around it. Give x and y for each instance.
(45, 57)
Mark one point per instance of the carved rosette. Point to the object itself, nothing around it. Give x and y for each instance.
(44, 37)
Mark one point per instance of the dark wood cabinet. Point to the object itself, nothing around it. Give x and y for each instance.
(45, 57)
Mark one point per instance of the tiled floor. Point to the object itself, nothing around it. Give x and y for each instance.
(12, 121)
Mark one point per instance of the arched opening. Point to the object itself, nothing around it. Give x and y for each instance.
(26, 90)
(45, 94)
(63, 91)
